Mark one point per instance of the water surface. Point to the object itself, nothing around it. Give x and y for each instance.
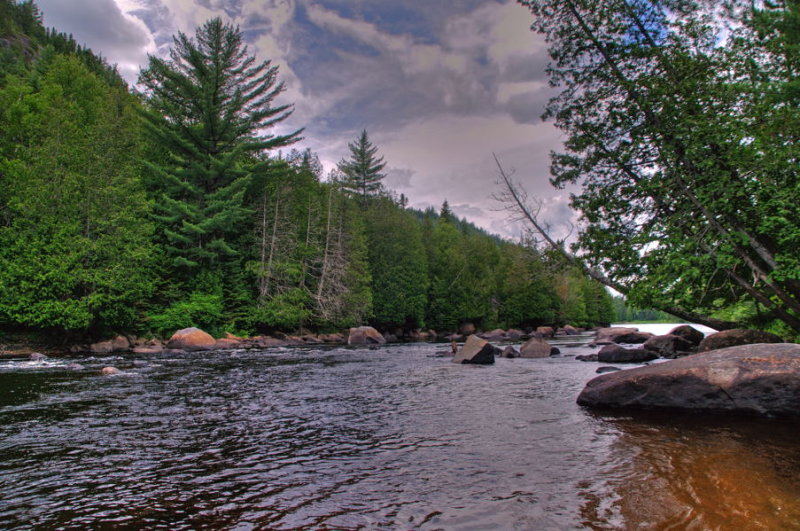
(388, 438)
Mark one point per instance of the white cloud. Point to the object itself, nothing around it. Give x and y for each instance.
(122, 39)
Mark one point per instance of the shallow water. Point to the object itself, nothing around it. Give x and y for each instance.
(366, 439)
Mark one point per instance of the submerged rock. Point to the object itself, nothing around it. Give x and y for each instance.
(759, 379)
(607, 368)
(476, 351)
(586, 357)
(737, 336)
(37, 356)
(109, 371)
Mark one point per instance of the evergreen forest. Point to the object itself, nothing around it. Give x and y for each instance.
(177, 204)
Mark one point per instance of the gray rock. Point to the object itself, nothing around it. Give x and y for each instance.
(607, 368)
(587, 357)
(758, 379)
(37, 356)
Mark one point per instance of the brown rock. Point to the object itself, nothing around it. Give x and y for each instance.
(109, 371)
(535, 348)
(571, 330)
(365, 335)
(669, 346)
(332, 338)
(691, 334)
(191, 339)
(738, 336)
(608, 335)
(509, 352)
(514, 334)
(227, 343)
(757, 379)
(117, 344)
(476, 351)
(544, 331)
(266, 342)
(493, 335)
(618, 354)
(148, 350)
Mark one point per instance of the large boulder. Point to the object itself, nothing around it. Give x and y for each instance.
(365, 335)
(535, 348)
(738, 336)
(191, 339)
(689, 333)
(758, 379)
(544, 331)
(476, 351)
(618, 354)
(118, 344)
(669, 346)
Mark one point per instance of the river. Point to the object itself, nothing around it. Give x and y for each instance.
(360, 438)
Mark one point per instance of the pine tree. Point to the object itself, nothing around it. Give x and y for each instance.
(208, 107)
(362, 172)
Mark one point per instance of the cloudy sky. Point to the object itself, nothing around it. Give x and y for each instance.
(439, 84)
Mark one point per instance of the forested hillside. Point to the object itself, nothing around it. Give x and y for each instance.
(177, 205)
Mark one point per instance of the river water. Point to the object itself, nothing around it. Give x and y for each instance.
(383, 438)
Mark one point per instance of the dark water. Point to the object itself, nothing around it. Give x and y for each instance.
(369, 439)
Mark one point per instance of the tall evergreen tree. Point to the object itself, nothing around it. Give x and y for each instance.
(362, 172)
(209, 104)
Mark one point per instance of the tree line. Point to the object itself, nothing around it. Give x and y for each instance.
(177, 205)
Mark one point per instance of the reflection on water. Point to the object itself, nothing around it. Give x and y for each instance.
(369, 438)
(684, 472)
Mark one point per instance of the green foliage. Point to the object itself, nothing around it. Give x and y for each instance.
(207, 107)
(75, 245)
(362, 172)
(682, 130)
(398, 266)
(199, 309)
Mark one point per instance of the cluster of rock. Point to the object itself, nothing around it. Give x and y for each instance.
(478, 350)
(680, 341)
(195, 339)
(746, 372)
(512, 334)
